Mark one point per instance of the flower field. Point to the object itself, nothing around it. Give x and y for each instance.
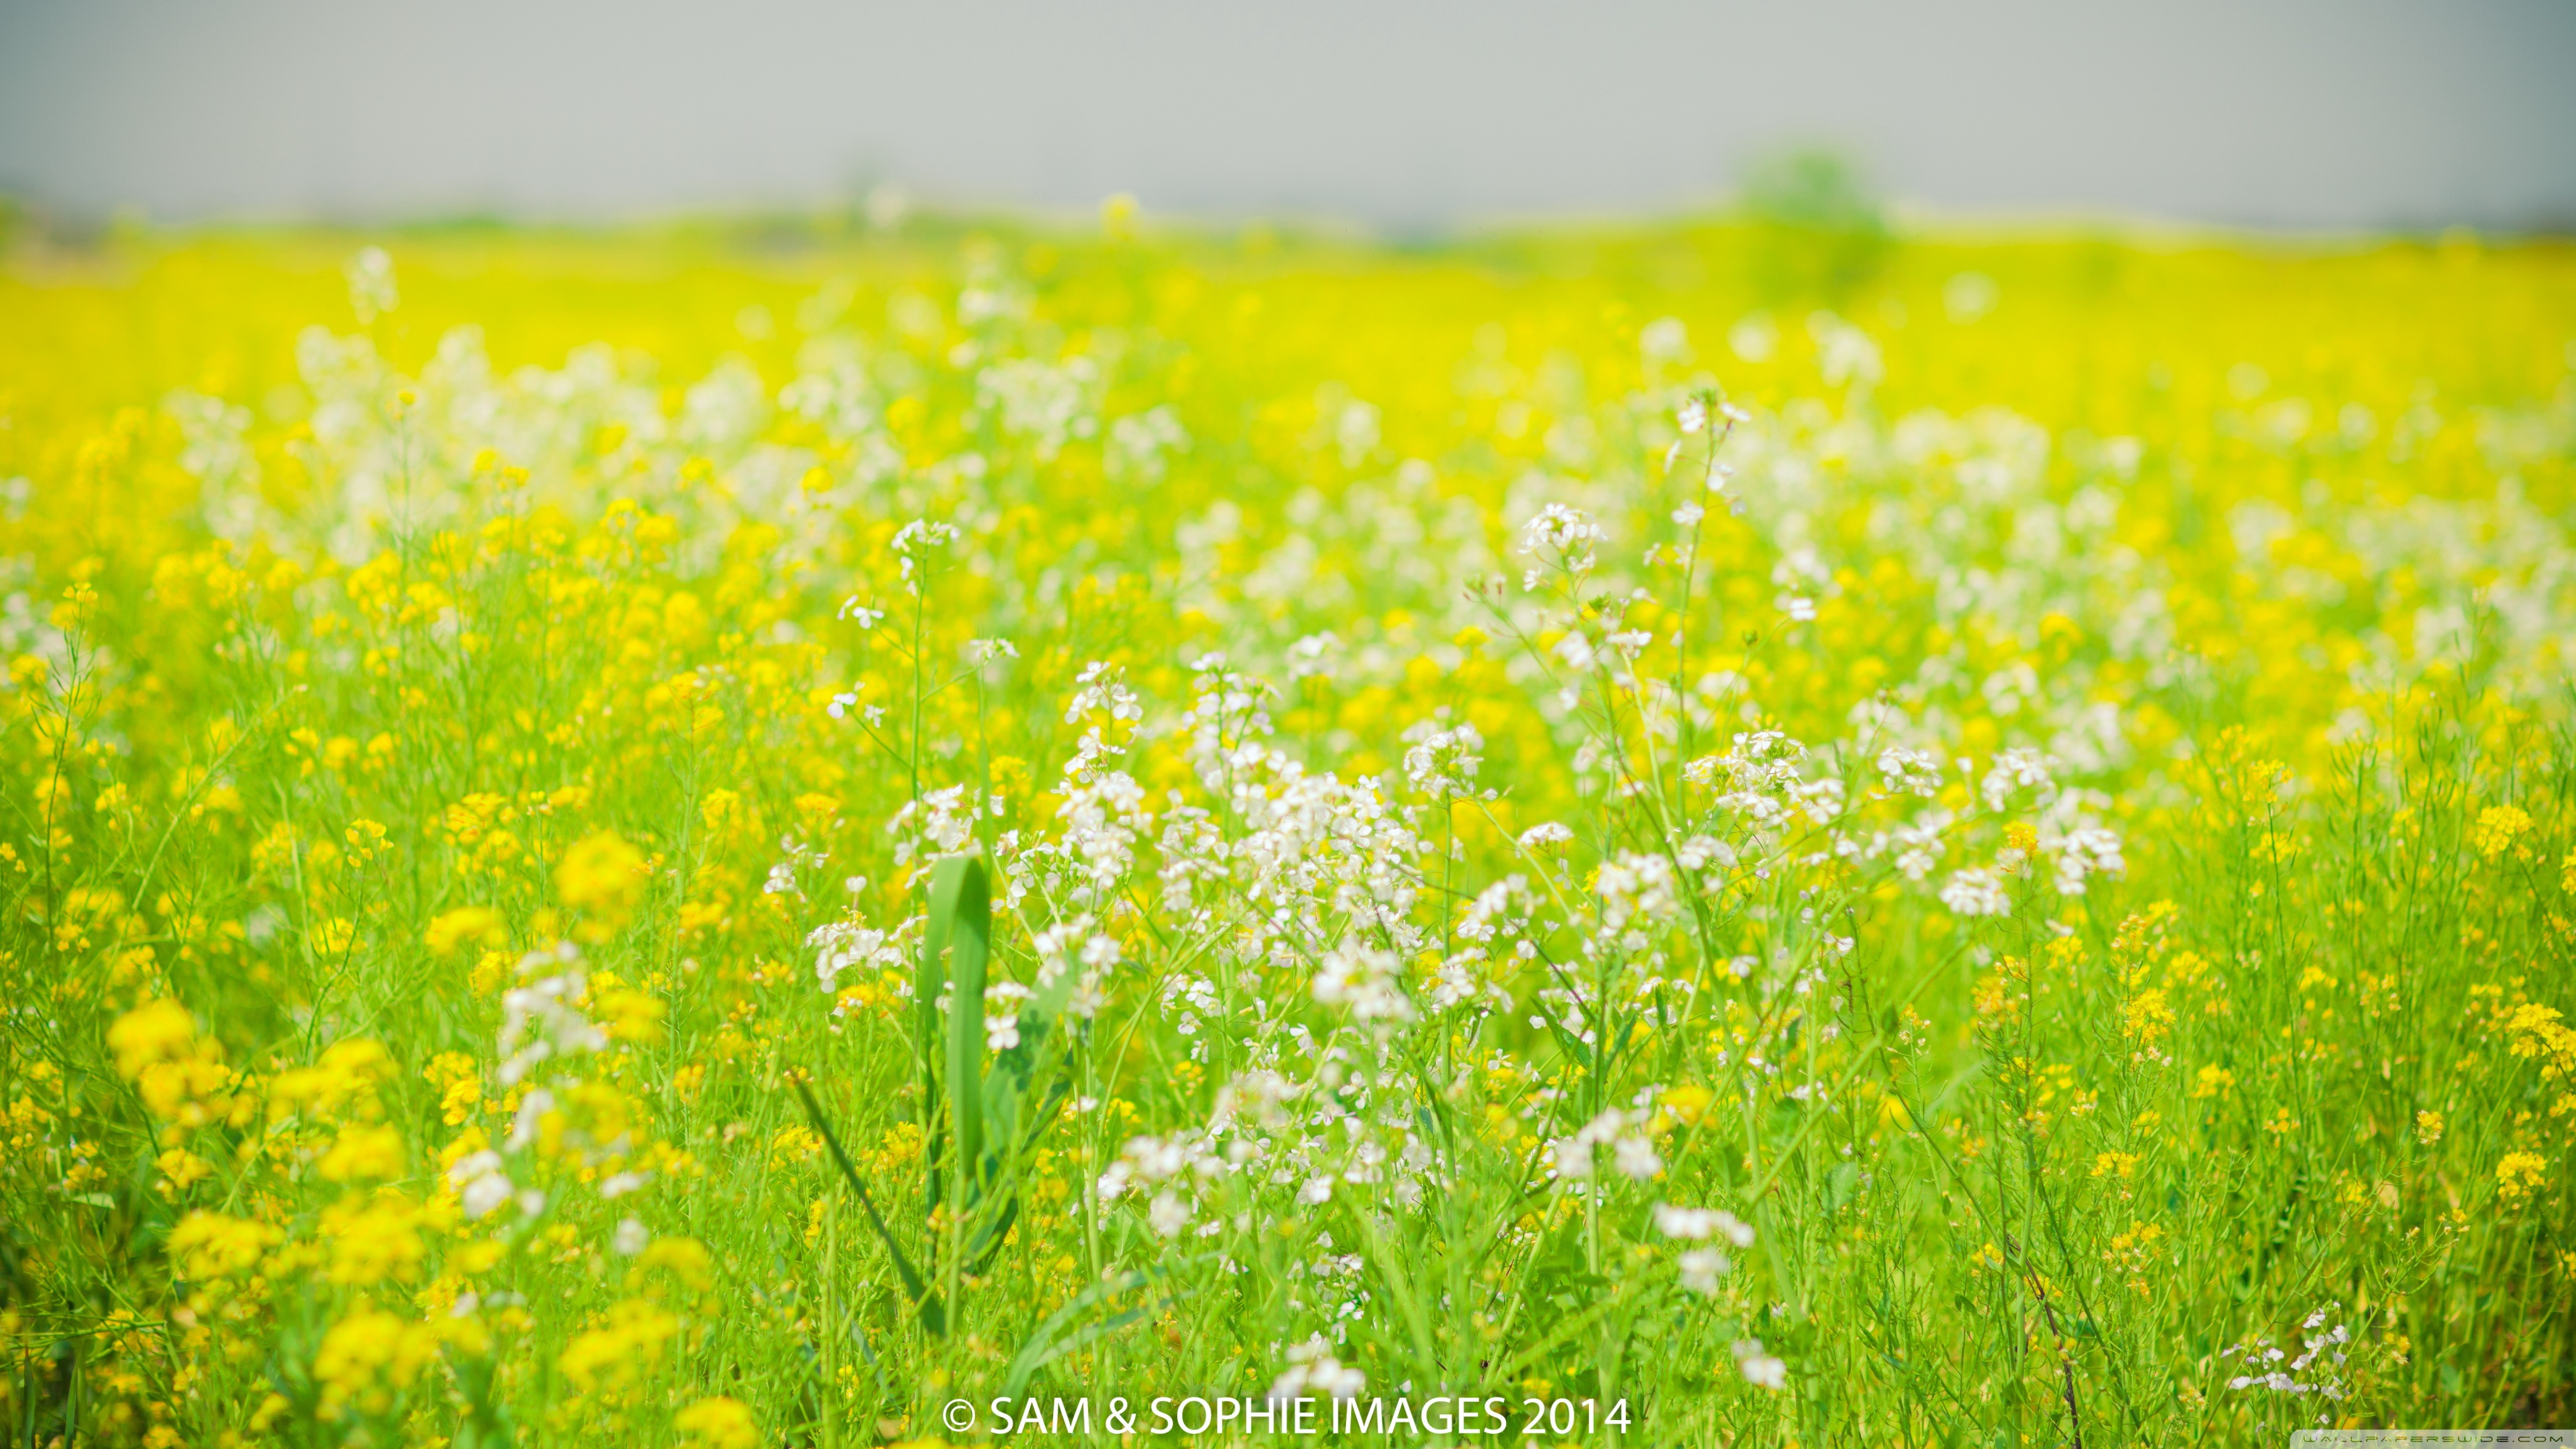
(732, 836)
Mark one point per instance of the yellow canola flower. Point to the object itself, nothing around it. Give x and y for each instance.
(2541, 1032)
(632, 1016)
(187, 1092)
(685, 1259)
(157, 1031)
(603, 876)
(2147, 1016)
(182, 1169)
(623, 1350)
(346, 1076)
(460, 1086)
(2520, 1175)
(2497, 828)
(363, 1154)
(2122, 1165)
(718, 1423)
(376, 1239)
(793, 1144)
(1689, 1101)
(214, 1245)
(369, 1357)
(477, 925)
(180, 1076)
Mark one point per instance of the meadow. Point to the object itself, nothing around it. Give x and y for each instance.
(1729, 832)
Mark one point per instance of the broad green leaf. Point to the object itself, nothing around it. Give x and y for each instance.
(961, 922)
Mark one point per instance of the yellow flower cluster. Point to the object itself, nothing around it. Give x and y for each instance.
(371, 1356)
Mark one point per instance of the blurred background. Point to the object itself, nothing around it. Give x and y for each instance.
(1420, 117)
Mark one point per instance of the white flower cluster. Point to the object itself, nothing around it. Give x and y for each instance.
(841, 946)
(1442, 761)
(1636, 890)
(542, 1026)
(1976, 891)
(1762, 1370)
(1701, 1267)
(1312, 1369)
(482, 1183)
(1367, 981)
(1910, 772)
(539, 1021)
(2318, 1344)
(799, 857)
(1169, 1168)
(916, 542)
(1563, 537)
(1632, 1152)
(1051, 404)
(939, 823)
(2081, 854)
(1075, 945)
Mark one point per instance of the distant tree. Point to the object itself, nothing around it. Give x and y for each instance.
(1820, 231)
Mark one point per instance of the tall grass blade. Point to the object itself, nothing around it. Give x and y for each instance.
(934, 1316)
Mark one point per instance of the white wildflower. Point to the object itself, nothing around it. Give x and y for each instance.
(539, 1021)
(1443, 762)
(1313, 1369)
(1700, 1224)
(1976, 892)
(1365, 979)
(1701, 1268)
(371, 285)
(481, 1183)
(1564, 536)
(2083, 853)
(1760, 1369)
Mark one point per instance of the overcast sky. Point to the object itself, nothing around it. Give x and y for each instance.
(2302, 113)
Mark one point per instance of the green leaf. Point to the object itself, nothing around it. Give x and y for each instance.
(934, 1316)
(961, 924)
(1043, 1347)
